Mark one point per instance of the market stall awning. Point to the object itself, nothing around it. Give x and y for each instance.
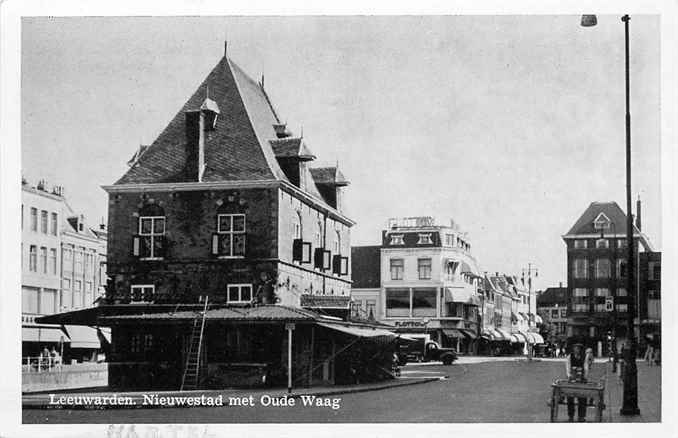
(523, 316)
(83, 336)
(521, 337)
(514, 339)
(453, 333)
(528, 336)
(90, 316)
(487, 334)
(359, 331)
(43, 334)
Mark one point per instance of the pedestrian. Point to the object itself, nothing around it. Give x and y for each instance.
(56, 357)
(649, 355)
(577, 369)
(589, 358)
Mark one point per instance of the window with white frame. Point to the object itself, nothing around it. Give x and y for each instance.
(397, 239)
(424, 268)
(34, 219)
(602, 268)
(297, 226)
(580, 244)
(229, 241)
(33, 258)
(43, 259)
(424, 239)
(449, 239)
(621, 243)
(337, 242)
(142, 293)
(622, 307)
(53, 261)
(600, 307)
(602, 243)
(239, 293)
(580, 268)
(152, 237)
(397, 269)
(580, 292)
(580, 307)
(43, 221)
(319, 235)
(621, 292)
(602, 292)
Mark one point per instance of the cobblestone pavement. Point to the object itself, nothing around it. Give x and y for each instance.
(487, 391)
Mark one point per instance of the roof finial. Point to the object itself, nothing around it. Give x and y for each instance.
(262, 80)
(207, 92)
(302, 132)
(225, 47)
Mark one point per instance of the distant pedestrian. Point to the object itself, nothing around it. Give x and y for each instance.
(649, 355)
(577, 369)
(589, 357)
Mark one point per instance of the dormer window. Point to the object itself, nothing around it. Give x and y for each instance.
(397, 239)
(602, 222)
(424, 239)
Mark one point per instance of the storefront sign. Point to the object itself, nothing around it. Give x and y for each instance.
(411, 323)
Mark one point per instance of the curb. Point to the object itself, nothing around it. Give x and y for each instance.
(277, 394)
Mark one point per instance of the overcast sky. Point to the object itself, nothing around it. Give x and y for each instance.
(509, 125)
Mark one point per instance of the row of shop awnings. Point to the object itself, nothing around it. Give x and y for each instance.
(520, 316)
(521, 336)
(77, 336)
(460, 333)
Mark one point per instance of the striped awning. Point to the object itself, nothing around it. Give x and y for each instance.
(537, 338)
(521, 337)
(506, 336)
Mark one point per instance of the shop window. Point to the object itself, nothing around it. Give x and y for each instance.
(371, 309)
(397, 302)
(229, 241)
(239, 293)
(423, 302)
(424, 269)
(356, 309)
(142, 293)
(397, 269)
(150, 243)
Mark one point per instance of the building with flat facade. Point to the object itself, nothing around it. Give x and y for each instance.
(552, 308)
(60, 272)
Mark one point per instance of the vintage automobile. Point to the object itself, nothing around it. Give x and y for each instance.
(423, 350)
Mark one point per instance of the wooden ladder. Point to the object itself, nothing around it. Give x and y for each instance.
(192, 370)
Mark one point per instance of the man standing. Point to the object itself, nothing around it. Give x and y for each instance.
(577, 369)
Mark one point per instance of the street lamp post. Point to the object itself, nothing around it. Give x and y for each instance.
(630, 398)
(530, 316)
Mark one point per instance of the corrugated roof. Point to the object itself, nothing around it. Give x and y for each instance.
(366, 267)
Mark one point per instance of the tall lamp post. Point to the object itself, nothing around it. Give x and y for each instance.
(630, 401)
(530, 316)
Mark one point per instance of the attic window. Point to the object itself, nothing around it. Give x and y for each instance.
(601, 222)
(424, 239)
(397, 239)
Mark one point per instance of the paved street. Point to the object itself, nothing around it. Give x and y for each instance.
(488, 391)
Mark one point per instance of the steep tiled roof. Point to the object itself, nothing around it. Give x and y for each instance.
(366, 267)
(553, 295)
(291, 147)
(237, 150)
(584, 224)
(328, 175)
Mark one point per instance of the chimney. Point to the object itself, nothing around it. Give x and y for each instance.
(195, 145)
(638, 214)
(560, 285)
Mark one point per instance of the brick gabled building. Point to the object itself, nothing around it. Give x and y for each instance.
(598, 301)
(223, 204)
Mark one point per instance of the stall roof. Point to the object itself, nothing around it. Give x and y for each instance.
(91, 315)
(266, 313)
(359, 331)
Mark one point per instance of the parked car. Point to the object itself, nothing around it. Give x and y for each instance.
(424, 350)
